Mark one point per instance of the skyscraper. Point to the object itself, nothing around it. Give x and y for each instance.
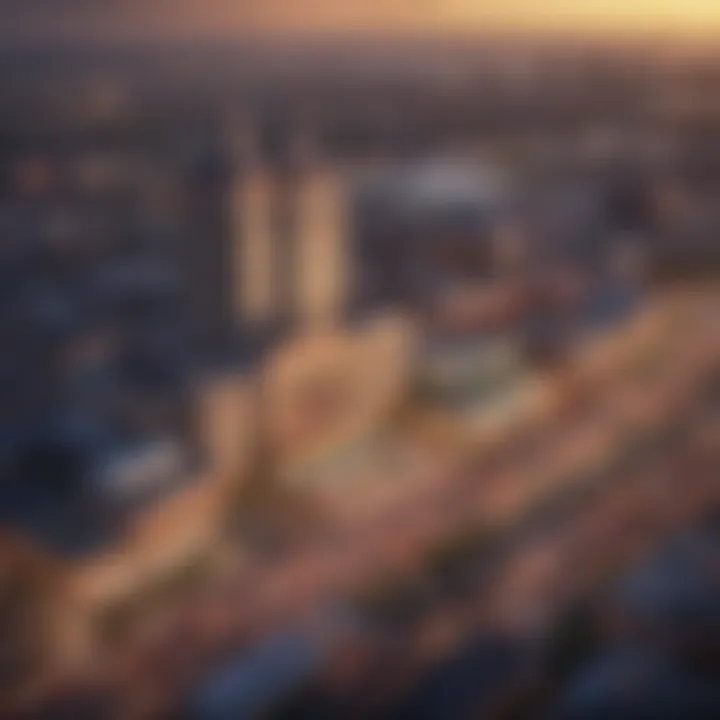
(321, 234)
(232, 207)
(207, 256)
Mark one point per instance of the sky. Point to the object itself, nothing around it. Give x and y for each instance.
(238, 18)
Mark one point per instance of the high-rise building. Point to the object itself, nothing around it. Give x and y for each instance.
(302, 253)
(208, 250)
(255, 301)
(321, 233)
(291, 157)
(263, 240)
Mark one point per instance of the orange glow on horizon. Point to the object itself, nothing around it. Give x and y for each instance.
(427, 16)
(297, 18)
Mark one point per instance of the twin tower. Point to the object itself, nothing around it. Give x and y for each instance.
(265, 241)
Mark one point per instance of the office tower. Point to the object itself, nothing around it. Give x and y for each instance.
(255, 300)
(321, 233)
(237, 217)
(208, 249)
(254, 214)
(291, 156)
(310, 227)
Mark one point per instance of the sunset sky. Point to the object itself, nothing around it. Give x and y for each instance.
(229, 18)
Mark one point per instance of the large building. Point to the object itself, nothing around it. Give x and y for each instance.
(435, 239)
(423, 228)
